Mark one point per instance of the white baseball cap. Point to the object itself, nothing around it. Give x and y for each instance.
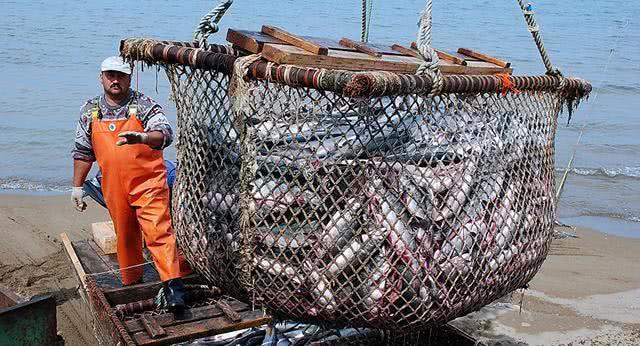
(115, 63)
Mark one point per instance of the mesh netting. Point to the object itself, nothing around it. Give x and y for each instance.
(360, 199)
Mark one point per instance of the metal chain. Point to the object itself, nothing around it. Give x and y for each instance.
(535, 32)
(209, 23)
(427, 53)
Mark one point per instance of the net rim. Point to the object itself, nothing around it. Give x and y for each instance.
(348, 83)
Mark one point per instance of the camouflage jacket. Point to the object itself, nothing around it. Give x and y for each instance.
(150, 114)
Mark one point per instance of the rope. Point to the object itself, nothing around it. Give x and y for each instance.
(527, 11)
(367, 8)
(209, 23)
(568, 169)
(113, 271)
(429, 55)
(239, 90)
(363, 33)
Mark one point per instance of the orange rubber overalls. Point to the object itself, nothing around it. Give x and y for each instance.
(135, 188)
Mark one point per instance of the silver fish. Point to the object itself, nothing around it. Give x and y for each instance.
(321, 291)
(339, 230)
(277, 268)
(221, 203)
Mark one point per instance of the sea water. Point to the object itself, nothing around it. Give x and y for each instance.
(50, 52)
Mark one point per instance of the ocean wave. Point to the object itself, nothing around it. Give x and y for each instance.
(21, 184)
(616, 88)
(612, 215)
(612, 172)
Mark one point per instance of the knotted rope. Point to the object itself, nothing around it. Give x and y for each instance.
(429, 55)
(209, 23)
(239, 91)
(367, 7)
(527, 10)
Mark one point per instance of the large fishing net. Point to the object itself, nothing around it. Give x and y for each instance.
(360, 198)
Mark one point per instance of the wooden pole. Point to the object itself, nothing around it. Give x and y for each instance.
(360, 47)
(294, 40)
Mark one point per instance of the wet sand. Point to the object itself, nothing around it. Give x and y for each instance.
(32, 259)
(587, 292)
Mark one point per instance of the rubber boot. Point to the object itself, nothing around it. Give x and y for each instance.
(174, 295)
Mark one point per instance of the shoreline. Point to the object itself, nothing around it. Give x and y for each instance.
(588, 289)
(608, 225)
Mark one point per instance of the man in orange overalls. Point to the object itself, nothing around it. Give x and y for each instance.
(125, 132)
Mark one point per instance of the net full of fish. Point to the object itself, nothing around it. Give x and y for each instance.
(383, 212)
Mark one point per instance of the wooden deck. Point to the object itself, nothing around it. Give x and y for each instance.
(103, 291)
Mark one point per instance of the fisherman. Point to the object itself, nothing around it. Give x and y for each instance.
(125, 132)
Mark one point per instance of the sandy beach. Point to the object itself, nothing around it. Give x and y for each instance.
(587, 292)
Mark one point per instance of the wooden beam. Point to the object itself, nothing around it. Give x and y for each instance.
(338, 59)
(202, 328)
(360, 47)
(355, 61)
(253, 41)
(249, 40)
(483, 67)
(152, 327)
(77, 266)
(404, 50)
(123, 295)
(229, 312)
(294, 40)
(189, 315)
(444, 55)
(484, 57)
(451, 58)
(74, 259)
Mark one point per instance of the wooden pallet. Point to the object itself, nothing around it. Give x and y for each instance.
(282, 47)
(151, 328)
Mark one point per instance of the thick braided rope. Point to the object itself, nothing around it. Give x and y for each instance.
(239, 90)
(363, 32)
(209, 23)
(429, 66)
(535, 32)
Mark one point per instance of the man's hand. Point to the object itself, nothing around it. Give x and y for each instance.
(76, 198)
(131, 137)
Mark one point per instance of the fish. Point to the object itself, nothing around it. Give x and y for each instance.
(463, 238)
(490, 187)
(457, 191)
(399, 235)
(460, 265)
(221, 203)
(377, 290)
(339, 230)
(324, 300)
(276, 268)
(359, 249)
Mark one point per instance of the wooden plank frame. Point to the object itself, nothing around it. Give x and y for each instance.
(360, 47)
(353, 61)
(484, 57)
(294, 40)
(163, 329)
(77, 266)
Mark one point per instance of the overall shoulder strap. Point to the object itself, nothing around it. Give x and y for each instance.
(95, 110)
(133, 105)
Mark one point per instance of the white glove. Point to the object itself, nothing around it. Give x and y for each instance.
(131, 137)
(76, 198)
